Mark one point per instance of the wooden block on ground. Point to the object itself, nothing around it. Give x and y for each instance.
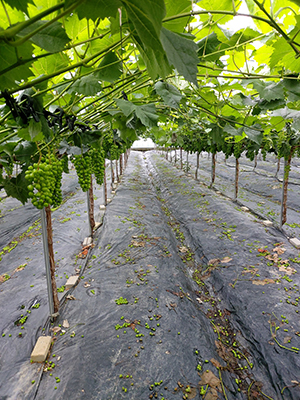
(243, 208)
(108, 201)
(102, 207)
(71, 281)
(41, 349)
(268, 223)
(113, 192)
(97, 225)
(88, 240)
(295, 242)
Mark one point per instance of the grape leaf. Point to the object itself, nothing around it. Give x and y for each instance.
(176, 7)
(156, 61)
(21, 5)
(94, 9)
(147, 114)
(216, 134)
(170, 94)
(88, 85)
(210, 44)
(146, 17)
(233, 131)
(16, 187)
(254, 133)
(24, 150)
(35, 131)
(52, 38)
(269, 90)
(111, 68)
(8, 57)
(181, 53)
(126, 106)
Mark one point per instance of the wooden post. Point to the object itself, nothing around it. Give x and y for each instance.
(255, 161)
(117, 174)
(121, 165)
(213, 169)
(49, 261)
(287, 167)
(112, 174)
(104, 186)
(278, 167)
(90, 198)
(187, 162)
(197, 166)
(236, 185)
(180, 157)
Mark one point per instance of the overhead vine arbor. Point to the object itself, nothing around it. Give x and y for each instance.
(84, 78)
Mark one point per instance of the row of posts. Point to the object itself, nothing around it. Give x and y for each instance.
(47, 230)
(282, 218)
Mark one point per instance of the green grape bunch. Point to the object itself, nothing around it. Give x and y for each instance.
(238, 149)
(114, 151)
(83, 168)
(65, 163)
(41, 184)
(97, 164)
(57, 170)
(44, 182)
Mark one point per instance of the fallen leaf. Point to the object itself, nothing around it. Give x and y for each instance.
(183, 249)
(214, 262)
(137, 243)
(262, 250)
(226, 260)
(287, 339)
(279, 250)
(199, 300)
(192, 394)
(86, 284)
(264, 282)
(209, 378)
(287, 270)
(215, 363)
(212, 394)
(71, 297)
(65, 323)
(56, 329)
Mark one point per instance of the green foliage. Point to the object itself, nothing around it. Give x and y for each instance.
(93, 76)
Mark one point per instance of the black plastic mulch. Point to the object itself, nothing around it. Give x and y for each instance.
(24, 307)
(259, 188)
(221, 335)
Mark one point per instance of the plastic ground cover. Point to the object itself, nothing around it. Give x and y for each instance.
(259, 188)
(184, 296)
(24, 307)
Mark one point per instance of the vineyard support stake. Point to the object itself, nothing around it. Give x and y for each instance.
(49, 262)
(112, 175)
(197, 166)
(104, 186)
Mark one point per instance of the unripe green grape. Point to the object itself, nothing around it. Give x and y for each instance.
(83, 168)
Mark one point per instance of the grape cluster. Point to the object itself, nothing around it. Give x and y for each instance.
(114, 151)
(283, 145)
(65, 163)
(227, 149)
(238, 149)
(83, 168)
(266, 146)
(44, 182)
(250, 154)
(41, 184)
(98, 164)
(57, 170)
